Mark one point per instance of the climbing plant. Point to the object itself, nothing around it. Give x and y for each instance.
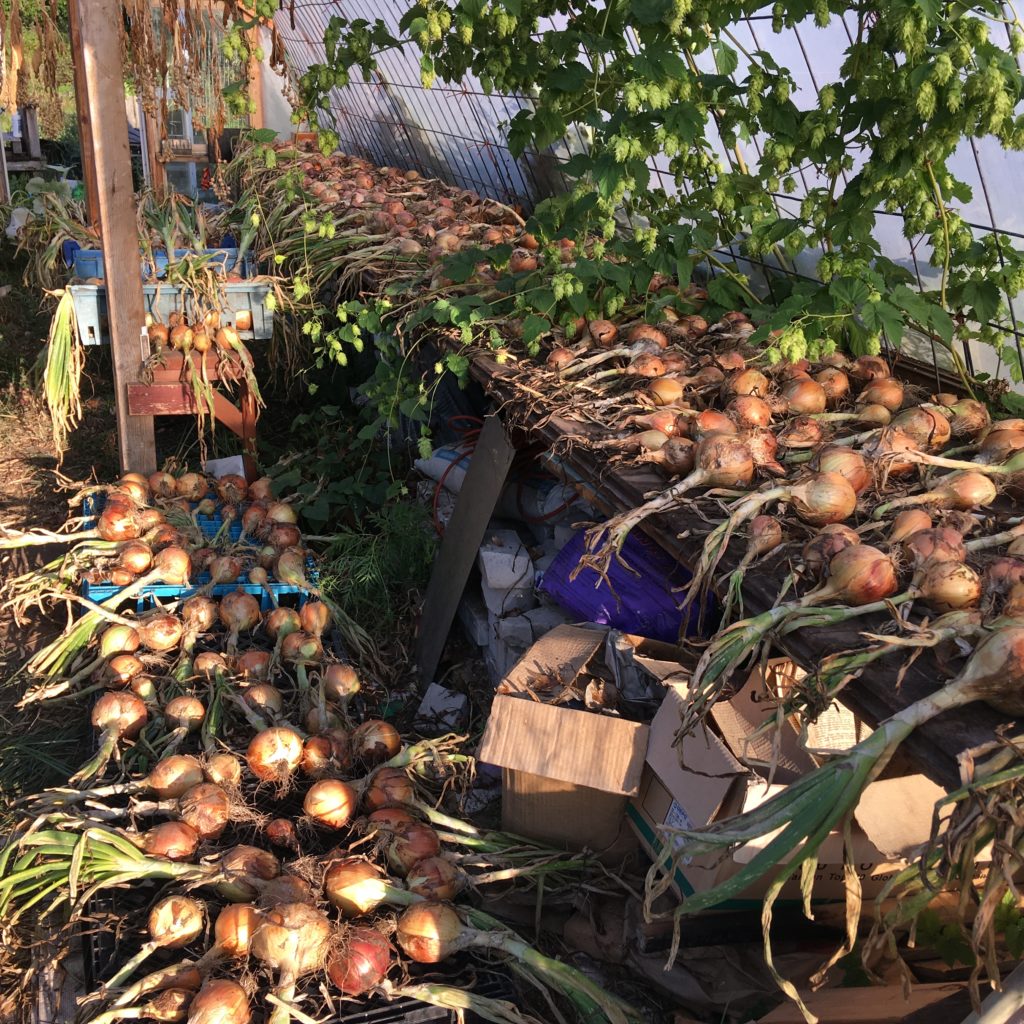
(640, 78)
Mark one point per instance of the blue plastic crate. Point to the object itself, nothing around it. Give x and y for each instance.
(162, 300)
(88, 263)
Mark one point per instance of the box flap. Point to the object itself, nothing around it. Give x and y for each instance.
(739, 718)
(896, 814)
(580, 747)
(558, 656)
(699, 772)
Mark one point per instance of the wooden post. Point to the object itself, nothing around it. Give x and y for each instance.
(30, 132)
(152, 135)
(102, 73)
(5, 182)
(255, 74)
(92, 201)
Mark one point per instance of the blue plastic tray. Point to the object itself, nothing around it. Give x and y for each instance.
(89, 262)
(162, 300)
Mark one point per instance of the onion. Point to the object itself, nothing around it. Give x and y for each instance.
(330, 802)
(283, 535)
(117, 525)
(290, 568)
(746, 382)
(239, 611)
(199, 613)
(928, 428)
(907, 523)
(749, 411)
(559, 358)
(232, 932)
(829, 541)
(849, 464)
(121, 669)
(999, 445)
(274, 754)
(209, 664)
(1001, 575)
(435, 878)
(805, 397)
(361, 962)
(315, 617)
(135, 556)
(389, 818)
(340, 683)
(159, 631)
(253, 665)
(186, 713)
(387, 787)
(241, 866)
(206, 808)
(802, 432)
(264, 697)
(675, 456)
(172, 840)
(355, 886)
(857, 575)
(960, 492)
(970, 419)
(939, 544)
(224, 769)
(885, 391)
(118, 639)
(282, 621)
(116, 715)
(281, 832)
(317, 757)
(171, 565)
(375, 741)
(603, 332)
(429, 932)
(232, 489)
(292, 939)
(283, 513)
(950, 586)
(220, 1001)
(172, 776)
(410, 843)
(870, 368)
(175, 921)
(261, 489)
(191, 486)
(835, 383)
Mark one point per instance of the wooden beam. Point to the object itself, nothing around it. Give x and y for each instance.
(256, 81)
(157, 171)
(92, 201)
(98, 56)
(5, 181)
(30, 132)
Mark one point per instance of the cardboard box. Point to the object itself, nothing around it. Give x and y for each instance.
(706, 778)
(566, 773)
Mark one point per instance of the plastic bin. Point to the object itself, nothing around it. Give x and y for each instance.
(89, 262)
(162, 300)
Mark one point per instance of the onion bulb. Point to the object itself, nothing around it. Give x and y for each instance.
(172, 840)
(274, 754)
(206, 808)
(857, 575)
(330, 802)
(429, 932)
(224, 769)
(388, 787)
(355, 886)
(220, 1001)
(950, 586)
(360, 962)
(375, 741)
(435, 878)
(907, 523)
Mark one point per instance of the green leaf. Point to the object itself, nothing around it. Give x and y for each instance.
(983, 297)
(913, 303)
(567, 78)
(650, 12)
(849, 292)
(726, 58)
(263, 135)
(883, 317)
(533, 327)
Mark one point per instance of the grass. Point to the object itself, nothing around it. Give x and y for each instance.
(377, 571)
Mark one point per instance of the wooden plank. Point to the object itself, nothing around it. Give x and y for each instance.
(255, 74)
(99, 53)
(874, 696)
(164, 399)
(861, 1005)
(5, 181)
(30, 132)
(151, 137)
(92, 198)
(481, 489)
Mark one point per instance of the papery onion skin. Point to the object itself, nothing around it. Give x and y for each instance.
(411, 843)
(375, 741)
(175, 921)
(206, 808)
(172, 776)
(435, 878)
(355, 886)
(361, 963)
(173, 840)
(389, 787)
(861, 574)
(274, 754)
(224, 769)
(950, 586)
(220, 1001)
(331, 802)
(429, 932)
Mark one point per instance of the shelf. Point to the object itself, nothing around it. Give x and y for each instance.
(874, 696)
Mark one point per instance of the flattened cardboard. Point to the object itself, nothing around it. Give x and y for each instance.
(576, 747)
(894, 815)
(561, 653)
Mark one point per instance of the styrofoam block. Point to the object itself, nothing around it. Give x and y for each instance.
(473, 616)
(505, 602)
(504, 561)
(544, 619)
(563, 534)
(441, 710)
(542, 564)
(515, 630)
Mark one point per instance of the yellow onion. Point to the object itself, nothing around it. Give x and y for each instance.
(159, 631)
(274, 754)
(870, 368)
(135, 556)
(281, 832)
(239, 612)
(191, 486)
(805, 397)
(858, 575)
(835, 383)
(885, 391)
(242, 864)
(330, 802)
(375, 741)
(749, 411)
(175, 921)
(411, 843)
(232, 489)
(118, 639)
(907, 523)
(224, 769)
(435, 878)
(355, 886)
(185, 712)
(253, 665)
(172, 840)
(172, 776)
(315, 617)
(938, 544)
(209, 663)
(340, 683)
(220, 1001)
(282, 621)
(950, 586)
(828, 541)
(206, 808)
(849, 464)
(928, 428)
(292, 939)
(429, 932)
(746, 382)
(387, 787)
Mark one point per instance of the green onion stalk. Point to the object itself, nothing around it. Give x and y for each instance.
(62, 375)
(497, 1011)
(810, 809)
(983, 817)
(861, 575)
